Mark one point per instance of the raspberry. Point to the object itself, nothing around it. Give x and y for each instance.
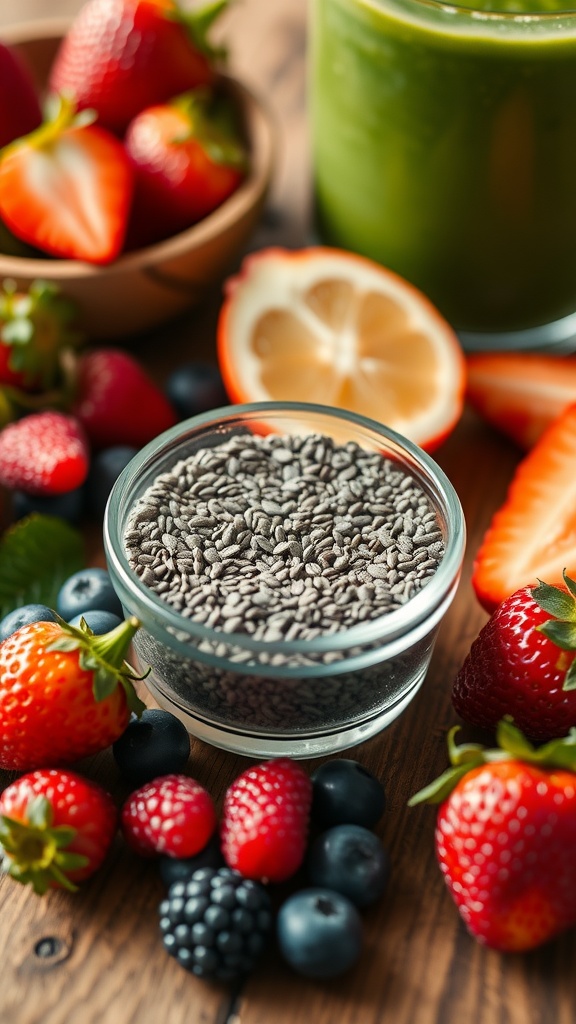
(265, 820)
(173, 815)
(216, 924)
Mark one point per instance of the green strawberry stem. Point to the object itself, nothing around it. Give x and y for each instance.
(512, 746)
(199, 23)
(561, 629)
(61, 115)
(211, 120)
(104, 656)
(35, 852)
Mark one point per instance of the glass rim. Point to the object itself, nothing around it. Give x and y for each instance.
(383, 628)
(477, 14)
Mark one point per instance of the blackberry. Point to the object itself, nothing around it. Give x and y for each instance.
(216, 924)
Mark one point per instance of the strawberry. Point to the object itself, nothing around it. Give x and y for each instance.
(188, 159)
(173, 815)
(505, 832)
(522, 664)
(117, 401)
(43, 454)
(20, 111)
(532, 535)
(265, 820)
(67, 188)
(55, 829)
(34, 336)
(519, 393)
(64, 693)
(120, 56)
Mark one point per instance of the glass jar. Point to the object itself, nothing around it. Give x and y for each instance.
(443, 140)
(300, 698)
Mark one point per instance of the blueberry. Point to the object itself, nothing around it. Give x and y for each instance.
(86, 590)
(352, 861)
(99, 622)
(319, 933)
(195, 388)
(346, 793)
(180, 869)
(105, 469)
(23, 617)
(155, 744)
(68, 506)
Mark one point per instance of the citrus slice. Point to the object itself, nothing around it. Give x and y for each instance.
(326, 326)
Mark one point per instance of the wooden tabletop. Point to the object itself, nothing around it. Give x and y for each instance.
(96, 957)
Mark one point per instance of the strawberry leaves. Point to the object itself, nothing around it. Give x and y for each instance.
(512, 746)
(36, 556)
(561, 630)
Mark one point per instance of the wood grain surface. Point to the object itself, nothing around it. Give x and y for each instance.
(96, 957)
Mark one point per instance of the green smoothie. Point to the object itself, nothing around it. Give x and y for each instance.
(444, 146)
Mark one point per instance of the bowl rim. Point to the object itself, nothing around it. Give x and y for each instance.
(425, 608)
(262, 132)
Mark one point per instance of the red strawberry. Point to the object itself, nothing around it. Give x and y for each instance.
(520, 393)
(64, 693)
(44, 453)
(117, 402)
(522, 664)
(532, 535)
(55, 829)
(505, 833)
(265, 820)
(20, 111)
(67, 189)
(172, 815)
(120, 56)
(34, 333)
(188, 159)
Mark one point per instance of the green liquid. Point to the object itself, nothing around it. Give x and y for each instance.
(444, 147)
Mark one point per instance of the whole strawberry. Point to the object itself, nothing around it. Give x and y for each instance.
(35, 335)
(55, 829)
(20, 109)
(522, 664)
(188, 158)
(120, 56)
(44, 453)
(64, 693)
(505, 828)
(172, 815)
(265, 820)
(117, 401)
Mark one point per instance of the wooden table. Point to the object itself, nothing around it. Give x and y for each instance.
(96, 957)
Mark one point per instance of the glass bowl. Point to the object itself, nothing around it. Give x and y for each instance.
(295, 697)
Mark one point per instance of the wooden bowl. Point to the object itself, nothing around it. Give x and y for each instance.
(149, 286)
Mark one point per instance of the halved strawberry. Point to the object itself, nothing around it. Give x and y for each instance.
(66, 188)
(520, 393)
(533, 535)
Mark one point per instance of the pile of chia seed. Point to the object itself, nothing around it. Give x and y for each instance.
(284, 537)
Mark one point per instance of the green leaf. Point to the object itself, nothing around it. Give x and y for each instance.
(570, 583)
(72, 861)
(465, 753)
(563, 634)
(554, 601)
(570, 677)
(510, 739)
(438, 790)
(37, 555)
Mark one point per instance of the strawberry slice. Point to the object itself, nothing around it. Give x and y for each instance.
(66, 188)
(533, 535)
(520, 394)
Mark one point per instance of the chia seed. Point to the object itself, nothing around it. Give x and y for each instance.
(281, 539)
(181, 546)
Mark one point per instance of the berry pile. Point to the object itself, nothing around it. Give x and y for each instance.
(142, 139)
